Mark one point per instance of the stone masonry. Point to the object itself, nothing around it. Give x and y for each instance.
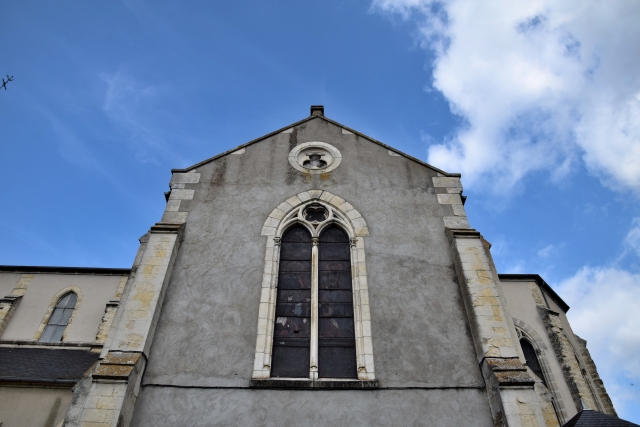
(568, 360)
(116, 380)
(110, 312)
(512, 396)
(9, 303)
(593, 372)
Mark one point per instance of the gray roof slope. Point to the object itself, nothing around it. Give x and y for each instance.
(44, 365)
(312, 117)
(589, 418)
(65, 270)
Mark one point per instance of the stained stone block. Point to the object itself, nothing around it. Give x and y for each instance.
(185, 178)
(443, 181)
(456, 222)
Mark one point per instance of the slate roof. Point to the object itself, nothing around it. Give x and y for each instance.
(44, 365)
(589, 418)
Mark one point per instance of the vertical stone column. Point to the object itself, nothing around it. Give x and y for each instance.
(510, 387)
(9, 303)
(313, 365)
(115, 382)
(110, 313)
(568, 359)
(593, 372)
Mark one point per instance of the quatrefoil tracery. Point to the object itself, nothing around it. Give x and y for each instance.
(315, 216)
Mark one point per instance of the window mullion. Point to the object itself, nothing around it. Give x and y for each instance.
(313, 374)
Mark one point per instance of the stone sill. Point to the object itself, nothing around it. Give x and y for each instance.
(304, 383)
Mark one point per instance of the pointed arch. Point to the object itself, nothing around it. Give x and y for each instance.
(339, 213)
(531, 336)
(53, 305)
(356, 223)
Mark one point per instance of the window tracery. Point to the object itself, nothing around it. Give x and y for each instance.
(332, 296)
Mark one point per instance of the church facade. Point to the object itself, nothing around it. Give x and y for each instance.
(313, 276)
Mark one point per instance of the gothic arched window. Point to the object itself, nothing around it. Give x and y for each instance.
(532, 359)
(314, 327)
(314, 321)
(59, 318)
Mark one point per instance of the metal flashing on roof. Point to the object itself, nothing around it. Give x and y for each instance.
(540, 281)
(100, 271)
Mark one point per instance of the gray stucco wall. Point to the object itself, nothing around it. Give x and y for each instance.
(197, 407)
(207, 329)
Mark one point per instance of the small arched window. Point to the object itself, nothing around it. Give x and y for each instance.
(314, 320)
(532, 359)
(59, 318)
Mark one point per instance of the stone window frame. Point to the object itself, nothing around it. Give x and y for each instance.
(528, 333)
(335, 154)
(52, 307)
(349, 219)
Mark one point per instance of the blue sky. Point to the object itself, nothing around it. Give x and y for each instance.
(538, 106)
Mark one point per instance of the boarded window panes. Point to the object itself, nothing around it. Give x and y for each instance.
(336, 342)
(532, 359)
(59, 318)
(292, 330)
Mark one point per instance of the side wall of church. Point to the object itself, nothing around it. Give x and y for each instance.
(206, 334)
(520, 297)
(39, 294)
(566, 363)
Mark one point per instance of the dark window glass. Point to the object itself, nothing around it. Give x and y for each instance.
(532, 359)
(292, 330)
(336, 340)
(59, 318)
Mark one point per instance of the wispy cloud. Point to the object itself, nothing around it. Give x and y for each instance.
(547, 251)
(134, 106)
(604, 310)
(33, 239)
(632, 240)
(540, 85)
(70, 146)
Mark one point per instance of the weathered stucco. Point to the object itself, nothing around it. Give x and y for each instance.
(28, 406)
(7, 282)
(197, 407)
(206, 333)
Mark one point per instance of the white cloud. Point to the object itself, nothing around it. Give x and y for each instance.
(604, 311)
(546, 251)
(541, 84)
(632, 241)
